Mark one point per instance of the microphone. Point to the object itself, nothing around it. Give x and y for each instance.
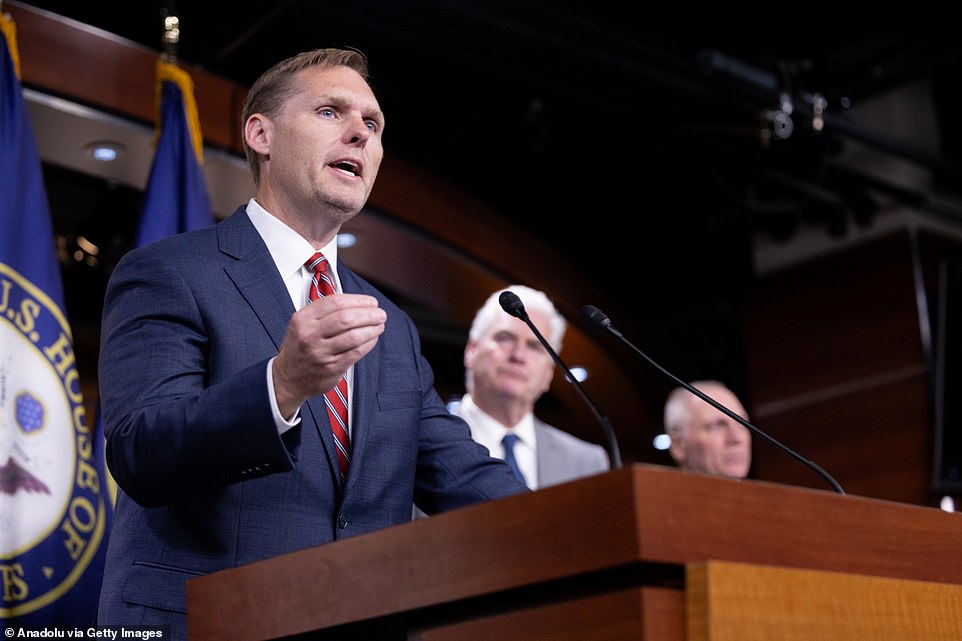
(513, 306)
(600, 321)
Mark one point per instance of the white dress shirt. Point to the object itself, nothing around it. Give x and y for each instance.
(290, 251)
(488, 432)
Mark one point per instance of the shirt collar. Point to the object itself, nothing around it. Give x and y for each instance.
(488, 430)
(288, 248)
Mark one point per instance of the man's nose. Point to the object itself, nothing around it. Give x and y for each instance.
(518, 351)
(358, 130)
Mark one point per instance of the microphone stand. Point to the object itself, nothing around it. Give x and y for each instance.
(513, 306)
(597, 319)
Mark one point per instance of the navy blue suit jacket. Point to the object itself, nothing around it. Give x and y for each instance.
(206, 482)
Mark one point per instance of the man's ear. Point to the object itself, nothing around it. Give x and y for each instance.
(257, 133)
(678, 450)
(469, 351)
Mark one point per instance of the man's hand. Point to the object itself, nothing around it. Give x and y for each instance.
(322, 341)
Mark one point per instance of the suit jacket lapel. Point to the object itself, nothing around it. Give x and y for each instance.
(256, 278)
(255, 274)
(363, 402)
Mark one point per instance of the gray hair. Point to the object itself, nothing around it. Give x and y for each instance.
(678, 406)
(534, 301)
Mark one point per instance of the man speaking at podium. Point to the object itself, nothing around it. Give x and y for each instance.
(258, 396)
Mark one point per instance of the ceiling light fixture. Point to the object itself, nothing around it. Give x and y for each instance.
(104, 150)
(580, 373)
(346, 239)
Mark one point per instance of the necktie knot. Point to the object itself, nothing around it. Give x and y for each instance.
(321, 283)
(317, 263)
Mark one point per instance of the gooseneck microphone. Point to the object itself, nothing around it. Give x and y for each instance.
(600, 321)
(513, 306)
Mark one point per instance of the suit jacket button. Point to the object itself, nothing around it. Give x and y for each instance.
(343, 521)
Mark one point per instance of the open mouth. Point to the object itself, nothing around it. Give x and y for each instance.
(347, 166)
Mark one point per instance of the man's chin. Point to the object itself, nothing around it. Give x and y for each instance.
(508, 391)
(344, 211)
(736, 470)
(344, 205)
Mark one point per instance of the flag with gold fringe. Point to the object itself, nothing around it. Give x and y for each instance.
(54, 512)
(176, 198)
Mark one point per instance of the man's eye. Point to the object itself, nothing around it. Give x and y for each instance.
(326, 112)
(372, 125)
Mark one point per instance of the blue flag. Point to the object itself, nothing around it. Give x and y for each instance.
(176, 197)
(54, 509)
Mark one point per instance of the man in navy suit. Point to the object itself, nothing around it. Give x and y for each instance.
(213, 368)
(507, 370)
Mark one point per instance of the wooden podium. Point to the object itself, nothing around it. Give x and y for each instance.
(641, 553)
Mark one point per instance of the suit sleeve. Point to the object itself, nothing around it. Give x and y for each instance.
(453, 470)
(175, 423)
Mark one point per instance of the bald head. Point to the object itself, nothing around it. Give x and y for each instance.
(704, 439)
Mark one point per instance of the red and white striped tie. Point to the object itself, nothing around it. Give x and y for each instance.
(336, 400)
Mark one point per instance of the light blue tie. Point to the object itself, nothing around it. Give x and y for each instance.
(508, 441)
